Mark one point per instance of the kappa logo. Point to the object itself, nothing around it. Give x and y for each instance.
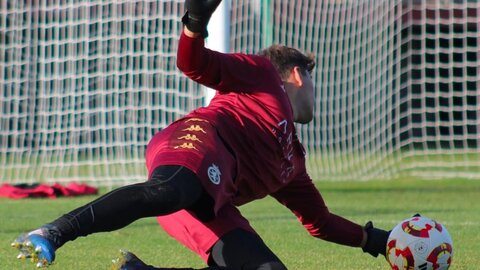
(196, 120)
(195, 128)
(190, 137)
(214, 174)
(186, 146)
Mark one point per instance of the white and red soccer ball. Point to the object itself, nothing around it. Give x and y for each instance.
(419, 243)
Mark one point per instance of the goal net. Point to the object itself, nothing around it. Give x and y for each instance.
(85, 84)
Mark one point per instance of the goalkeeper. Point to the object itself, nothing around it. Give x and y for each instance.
(240, 148)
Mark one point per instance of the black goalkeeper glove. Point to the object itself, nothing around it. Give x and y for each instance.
(376, 241)
(198, 14)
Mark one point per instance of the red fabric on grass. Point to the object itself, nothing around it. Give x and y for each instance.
(45, 191)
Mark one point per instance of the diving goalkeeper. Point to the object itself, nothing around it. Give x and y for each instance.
(240, 148)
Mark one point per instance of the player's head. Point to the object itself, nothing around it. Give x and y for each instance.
(295, 70)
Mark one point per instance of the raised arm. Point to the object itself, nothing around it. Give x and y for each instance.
(224, 72)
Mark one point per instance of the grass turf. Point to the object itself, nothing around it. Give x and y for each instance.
(451, 202)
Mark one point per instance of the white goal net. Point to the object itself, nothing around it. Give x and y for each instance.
(85, 84)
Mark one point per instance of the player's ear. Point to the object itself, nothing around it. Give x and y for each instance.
(296, 76)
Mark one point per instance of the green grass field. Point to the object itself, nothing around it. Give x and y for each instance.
(451, 202)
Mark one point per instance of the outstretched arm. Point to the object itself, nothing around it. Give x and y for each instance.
(303, 199)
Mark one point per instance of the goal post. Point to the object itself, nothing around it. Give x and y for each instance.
(219, 36)
(85, 84)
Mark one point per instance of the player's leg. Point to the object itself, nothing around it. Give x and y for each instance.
(129, 261)
(238, 249)
(199, 236)
(226, 242)
(241, 249)
(169, 189)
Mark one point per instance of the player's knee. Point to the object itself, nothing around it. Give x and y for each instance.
(241, 249)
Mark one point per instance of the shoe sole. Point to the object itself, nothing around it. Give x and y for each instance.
(35, 248)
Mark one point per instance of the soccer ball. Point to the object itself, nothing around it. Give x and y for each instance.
(419, 243)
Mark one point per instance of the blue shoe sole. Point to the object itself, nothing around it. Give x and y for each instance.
(36, 248)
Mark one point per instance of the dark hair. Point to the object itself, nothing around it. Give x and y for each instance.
(285, 58)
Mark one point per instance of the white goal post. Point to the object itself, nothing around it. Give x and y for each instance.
(85, 84)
